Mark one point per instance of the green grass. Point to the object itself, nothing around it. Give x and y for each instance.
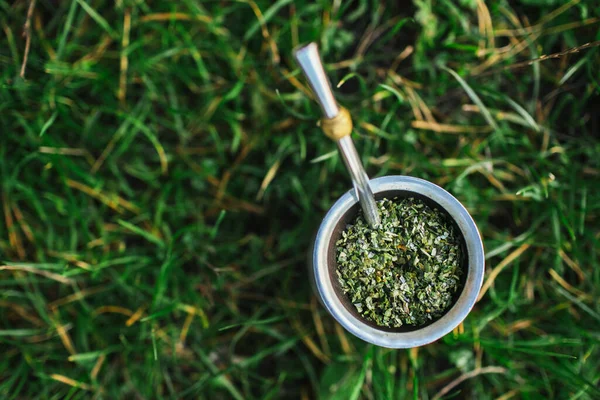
(162, 177)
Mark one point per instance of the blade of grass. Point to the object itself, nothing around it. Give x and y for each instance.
(267, 15)
(474, 97)
(98, 18)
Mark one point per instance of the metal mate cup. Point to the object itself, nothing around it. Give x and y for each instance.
(323, 264)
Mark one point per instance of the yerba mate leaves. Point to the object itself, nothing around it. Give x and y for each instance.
(404, 272)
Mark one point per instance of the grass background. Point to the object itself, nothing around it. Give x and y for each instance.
(162, 177)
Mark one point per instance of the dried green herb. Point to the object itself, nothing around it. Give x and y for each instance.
(404, 272)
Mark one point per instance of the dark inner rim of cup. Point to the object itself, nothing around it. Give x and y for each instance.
(349, 217)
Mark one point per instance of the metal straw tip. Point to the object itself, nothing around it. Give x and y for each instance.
(302, 49)
(310, 63)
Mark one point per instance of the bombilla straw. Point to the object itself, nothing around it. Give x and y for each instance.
(310, 62)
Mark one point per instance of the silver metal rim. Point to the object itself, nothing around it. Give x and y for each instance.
(430, 333)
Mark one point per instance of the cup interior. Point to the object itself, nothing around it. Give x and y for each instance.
(349, 216)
